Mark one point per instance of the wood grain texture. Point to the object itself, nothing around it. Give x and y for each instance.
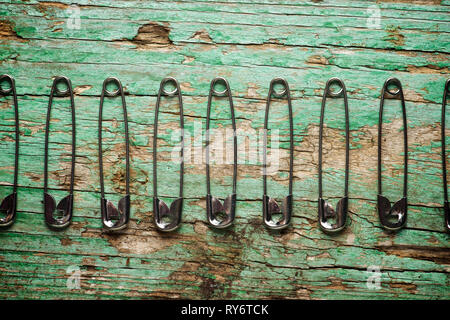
(249, 43)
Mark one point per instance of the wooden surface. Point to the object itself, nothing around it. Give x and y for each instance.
(249, 43)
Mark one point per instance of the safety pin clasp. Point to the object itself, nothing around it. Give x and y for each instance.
(167, 219)
(116, 218)
(64, 210)
(326, 212)
(214, 207)
(271, 207)
(8, 208)
(386, 213)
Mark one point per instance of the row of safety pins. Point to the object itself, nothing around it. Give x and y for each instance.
(168, 219)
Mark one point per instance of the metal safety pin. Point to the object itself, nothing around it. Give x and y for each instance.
(444, 157)
(65, 206)
(160, 208)
(114, 218)
(270, 205)
(399, 209)
(213, 205)
(8, 205)
(326, 210)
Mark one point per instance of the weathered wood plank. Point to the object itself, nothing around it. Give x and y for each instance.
(208, 14)
(249, 43)
(349, 37)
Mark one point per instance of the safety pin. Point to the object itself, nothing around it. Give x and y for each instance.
(444, 158)
(270, 205)
(160, 208)
(114, 218)
(8, 205)
(326, 210)
(399, 209)
(213, 205)
(65, 205)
